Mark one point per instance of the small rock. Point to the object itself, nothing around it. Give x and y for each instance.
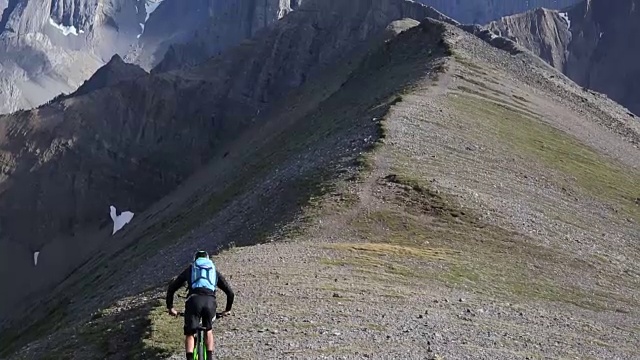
(420, 316)
(461, 300)
(336, 295)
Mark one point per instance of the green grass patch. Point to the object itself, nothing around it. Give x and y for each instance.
(382, 249)
(422, 234)
(599, 176)
(164, 333)
(520, 108)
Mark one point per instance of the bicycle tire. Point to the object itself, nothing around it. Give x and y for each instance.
(201, 353)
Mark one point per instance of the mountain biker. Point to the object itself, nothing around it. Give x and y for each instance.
(201, 301)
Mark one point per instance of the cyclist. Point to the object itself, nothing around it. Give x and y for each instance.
(201, 277)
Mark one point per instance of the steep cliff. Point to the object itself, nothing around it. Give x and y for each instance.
(594, 43)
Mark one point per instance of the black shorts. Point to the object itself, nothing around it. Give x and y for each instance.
(199, 306)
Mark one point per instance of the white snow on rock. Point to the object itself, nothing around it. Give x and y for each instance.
(35, 258)
(150, 6)
(565, 16)
(66, 30)
(119, 221)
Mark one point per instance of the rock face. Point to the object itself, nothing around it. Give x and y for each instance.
(483, 11)
(51, 47)
(594, 43)
(228, 23)
(129, 138)
(543, 31)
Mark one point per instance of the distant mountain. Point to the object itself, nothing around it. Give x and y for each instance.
(596, 43)
(51, 47)
(483, 11)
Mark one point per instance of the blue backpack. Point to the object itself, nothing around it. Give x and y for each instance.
(203, 274)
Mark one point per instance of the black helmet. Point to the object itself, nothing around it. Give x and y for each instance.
(200, 254)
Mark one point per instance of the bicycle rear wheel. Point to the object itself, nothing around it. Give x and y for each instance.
(201, 354)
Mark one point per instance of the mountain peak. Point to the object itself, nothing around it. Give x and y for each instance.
(113, 72)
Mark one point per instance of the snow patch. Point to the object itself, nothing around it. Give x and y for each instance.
(35, 258)
(150, 6)
(565, 16)
(119, 221)
(66, 30)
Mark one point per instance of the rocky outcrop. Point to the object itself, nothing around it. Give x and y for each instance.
(483, 11)
(131, 140)
(543, 31)
(594, 43)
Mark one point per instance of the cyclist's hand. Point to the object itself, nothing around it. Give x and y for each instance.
(173, 312)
